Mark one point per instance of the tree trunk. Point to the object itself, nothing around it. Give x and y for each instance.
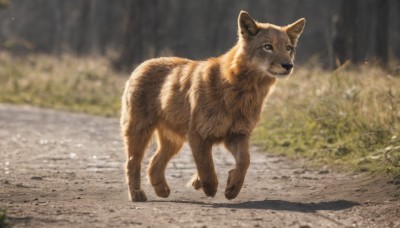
(382, 31)
(343, 35)
(132, 51)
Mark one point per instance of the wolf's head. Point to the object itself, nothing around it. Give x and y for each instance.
(267, 47)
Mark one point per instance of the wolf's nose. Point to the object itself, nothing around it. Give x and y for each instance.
(287, 66)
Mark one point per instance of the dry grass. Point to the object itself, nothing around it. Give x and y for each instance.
(67, 83)
(347, 117)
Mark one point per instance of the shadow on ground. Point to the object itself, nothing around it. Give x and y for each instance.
(279, 205)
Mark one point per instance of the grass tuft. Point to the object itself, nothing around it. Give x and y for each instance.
(3, 218)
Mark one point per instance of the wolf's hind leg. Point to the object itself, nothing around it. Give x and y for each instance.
(136, 141)
(169, 144)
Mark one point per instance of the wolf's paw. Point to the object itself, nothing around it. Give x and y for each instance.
(162, 190)
(196, 183)
(231, 192)
(138, 196)
(233, 185)
(210, 189)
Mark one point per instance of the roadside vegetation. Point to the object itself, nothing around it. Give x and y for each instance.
(66, 83)
(349, 117)
(3, 218)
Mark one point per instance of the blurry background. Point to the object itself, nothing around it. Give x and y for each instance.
(341, 107)
(130, 31)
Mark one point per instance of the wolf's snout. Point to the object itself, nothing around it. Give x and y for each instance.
(287, 66)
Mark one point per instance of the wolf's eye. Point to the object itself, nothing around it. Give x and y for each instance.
(289, 48)
(268, 47)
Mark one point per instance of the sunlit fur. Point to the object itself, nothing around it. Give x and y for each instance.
(218, 100)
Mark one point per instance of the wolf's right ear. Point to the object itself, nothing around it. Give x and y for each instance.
(247, 26)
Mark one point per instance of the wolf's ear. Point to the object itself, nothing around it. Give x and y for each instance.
(295, 29)
(247, 26)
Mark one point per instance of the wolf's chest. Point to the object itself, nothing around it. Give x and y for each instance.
(218, 122)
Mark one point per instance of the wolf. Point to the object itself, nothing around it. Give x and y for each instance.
(217, 100)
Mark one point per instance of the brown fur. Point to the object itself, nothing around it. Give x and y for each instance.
(218, 100)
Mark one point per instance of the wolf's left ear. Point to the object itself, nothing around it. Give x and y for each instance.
(247, 26)
(295, 29)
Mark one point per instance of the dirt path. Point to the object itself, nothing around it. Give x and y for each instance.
(66, 170)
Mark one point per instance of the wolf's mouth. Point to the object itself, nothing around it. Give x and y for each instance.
(279, 74)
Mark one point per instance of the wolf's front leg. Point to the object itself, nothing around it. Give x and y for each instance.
(238, 145)
(201, 150)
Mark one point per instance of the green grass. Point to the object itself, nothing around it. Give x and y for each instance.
(349, 118)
